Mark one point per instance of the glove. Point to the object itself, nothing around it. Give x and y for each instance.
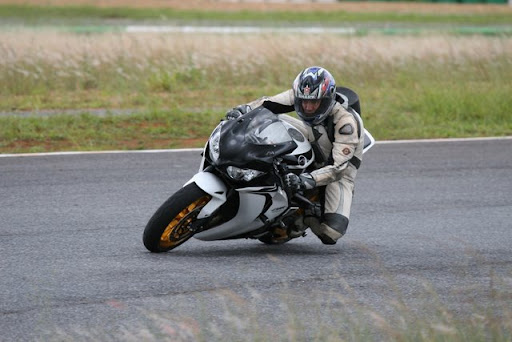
(299, 183)
(237, 112)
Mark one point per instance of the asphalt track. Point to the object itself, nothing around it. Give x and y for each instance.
(430, 234)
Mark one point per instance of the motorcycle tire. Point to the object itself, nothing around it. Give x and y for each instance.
(170, 225)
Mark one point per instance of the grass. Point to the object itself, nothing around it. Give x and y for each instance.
(90, 132)
(177, 87)
(449, 100)
(43, 14)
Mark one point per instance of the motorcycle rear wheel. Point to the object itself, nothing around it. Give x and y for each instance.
(170, 225)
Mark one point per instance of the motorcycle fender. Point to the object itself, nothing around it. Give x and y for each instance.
(213, 186)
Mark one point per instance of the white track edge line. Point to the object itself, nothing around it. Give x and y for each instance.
(383, 142)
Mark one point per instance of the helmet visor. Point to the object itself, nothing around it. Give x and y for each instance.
(313, 111)
(310, 107)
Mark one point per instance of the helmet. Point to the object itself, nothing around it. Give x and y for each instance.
(314, 83)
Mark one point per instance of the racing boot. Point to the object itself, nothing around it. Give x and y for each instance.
(327, 234)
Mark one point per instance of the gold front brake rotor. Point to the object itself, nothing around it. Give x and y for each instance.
(180, 227)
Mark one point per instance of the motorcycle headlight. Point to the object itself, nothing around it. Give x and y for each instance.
(243, 174)
(214, 143)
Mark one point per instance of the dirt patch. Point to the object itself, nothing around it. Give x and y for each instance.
(283, 5)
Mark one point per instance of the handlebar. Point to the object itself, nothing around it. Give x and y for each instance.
(282, 169)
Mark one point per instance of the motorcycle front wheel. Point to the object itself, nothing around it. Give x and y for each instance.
(171, 224)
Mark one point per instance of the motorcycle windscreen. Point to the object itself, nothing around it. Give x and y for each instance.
(266, 129)
(257, 137)
(268, 135)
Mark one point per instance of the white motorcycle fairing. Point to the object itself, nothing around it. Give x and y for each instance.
(250, 215)
(213, 186)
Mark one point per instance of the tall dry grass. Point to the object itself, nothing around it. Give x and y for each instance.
(240, 51)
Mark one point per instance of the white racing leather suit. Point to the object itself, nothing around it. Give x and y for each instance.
(339, 140)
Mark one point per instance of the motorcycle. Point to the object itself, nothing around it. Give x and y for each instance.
(239, 191)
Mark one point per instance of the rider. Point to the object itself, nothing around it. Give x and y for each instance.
(336, 136)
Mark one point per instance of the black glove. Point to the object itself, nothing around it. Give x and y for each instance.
(237, 112)
(299, 183)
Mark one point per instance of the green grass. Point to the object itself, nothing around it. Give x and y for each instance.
(40, 14)
(176, 107)
(90, 132)
(441, 101)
